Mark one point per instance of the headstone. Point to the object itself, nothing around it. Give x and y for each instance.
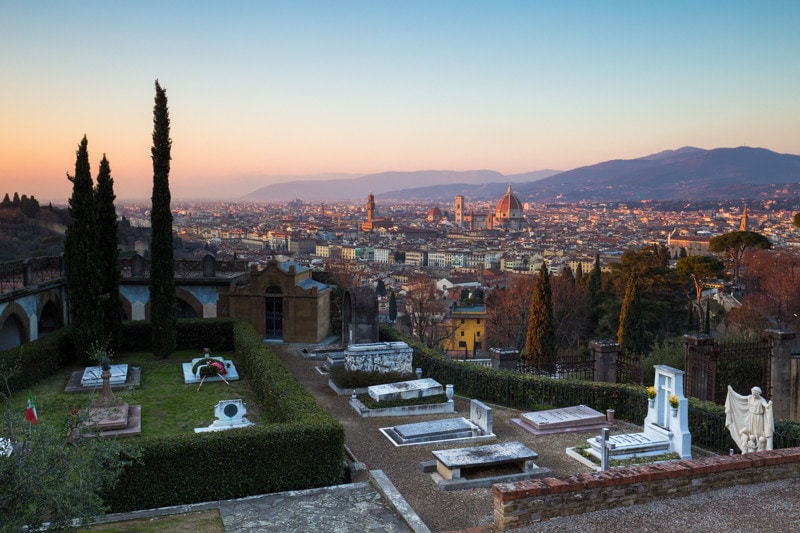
(666, 429)
(481, 415)
(403, 390)
(230, 415)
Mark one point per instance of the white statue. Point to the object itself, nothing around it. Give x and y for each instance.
(749, 419)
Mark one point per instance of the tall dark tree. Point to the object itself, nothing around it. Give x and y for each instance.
(84, 271)
(163, 306)
(109, 253)
(540, 341)
(392, 307)
(630, 334)
(594, 294)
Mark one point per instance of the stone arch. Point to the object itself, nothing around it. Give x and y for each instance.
(273, 304)
(14, 326)
(50, 318)
(188, 305)
(359, 316)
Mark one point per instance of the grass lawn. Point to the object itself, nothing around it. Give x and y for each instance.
(169, 406)
(199, 522)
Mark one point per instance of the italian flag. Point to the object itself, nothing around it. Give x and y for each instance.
(30, 414)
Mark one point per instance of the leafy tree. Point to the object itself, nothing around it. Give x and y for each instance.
(425, 310)
(540, 342)
(630, 335)
(84, 271)
(392, 307)
(163, 303)
(795, 220)
(16, 201)
(7, 201)
(734, 245)
(109, 253)
(699, 269)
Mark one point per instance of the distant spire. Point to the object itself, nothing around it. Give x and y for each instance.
(743, 224)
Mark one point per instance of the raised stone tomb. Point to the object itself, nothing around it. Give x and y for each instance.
(451, 463)
(403, 390)
(630, 444)
(379, 357)
(563, 420)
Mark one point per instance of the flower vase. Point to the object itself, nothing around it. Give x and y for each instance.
(674, 411)
(651, 402)
(449, 392)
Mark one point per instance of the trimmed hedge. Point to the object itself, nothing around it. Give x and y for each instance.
(38, 360)
(530, 392)
(302, 447)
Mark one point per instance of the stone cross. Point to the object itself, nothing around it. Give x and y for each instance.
(606, 446)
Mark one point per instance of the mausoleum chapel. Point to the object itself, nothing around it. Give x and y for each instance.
(283, 302)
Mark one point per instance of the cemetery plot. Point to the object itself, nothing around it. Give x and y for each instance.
(231, 374)
(567, 419)
(90, 380)
(483, 466)
(449, 430)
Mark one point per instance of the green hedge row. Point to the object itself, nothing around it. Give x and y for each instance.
(529, 392)
(38, 360)
(194, 333)
(302, 448)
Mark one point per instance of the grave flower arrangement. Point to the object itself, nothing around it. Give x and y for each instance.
(651, 393)
(673, 401)
(208, 367)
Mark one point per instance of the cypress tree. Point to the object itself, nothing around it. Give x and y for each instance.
(630, 335)
(392, 307)
(109, 254)
(163, 307)
(594, 293)
(540, 341)
(84, 272)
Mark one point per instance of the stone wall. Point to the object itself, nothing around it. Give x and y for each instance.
(523, 502)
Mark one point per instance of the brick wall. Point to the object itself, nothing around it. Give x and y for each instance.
(523, 502)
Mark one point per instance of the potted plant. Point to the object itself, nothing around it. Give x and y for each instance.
(651, 395)
(674, 402)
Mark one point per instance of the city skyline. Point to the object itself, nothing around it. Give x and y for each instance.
(259, 89)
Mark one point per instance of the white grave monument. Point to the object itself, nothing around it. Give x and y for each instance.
(666, 429)
(92, 375)
(230, 415)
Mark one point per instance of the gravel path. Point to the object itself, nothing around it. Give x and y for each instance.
(748, 508)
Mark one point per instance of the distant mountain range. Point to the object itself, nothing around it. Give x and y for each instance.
(685, 174)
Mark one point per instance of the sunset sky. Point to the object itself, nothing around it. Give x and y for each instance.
(263, 89)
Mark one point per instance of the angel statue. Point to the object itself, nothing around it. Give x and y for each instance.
(749, 419)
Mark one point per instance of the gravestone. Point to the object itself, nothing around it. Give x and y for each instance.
(230, 415)
(563, 420)
(666, 429)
